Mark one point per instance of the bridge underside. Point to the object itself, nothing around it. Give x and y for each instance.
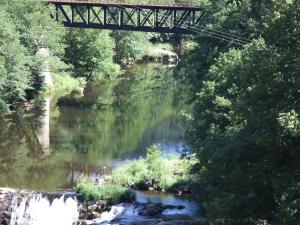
(147, 18)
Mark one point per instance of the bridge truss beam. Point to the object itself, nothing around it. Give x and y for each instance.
(147, 18)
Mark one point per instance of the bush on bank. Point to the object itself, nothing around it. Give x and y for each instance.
(112, 194)
(164, 173)
(169, 174)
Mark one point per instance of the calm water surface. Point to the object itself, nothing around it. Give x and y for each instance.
(111, 124)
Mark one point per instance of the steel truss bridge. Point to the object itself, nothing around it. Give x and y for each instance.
(131, 17)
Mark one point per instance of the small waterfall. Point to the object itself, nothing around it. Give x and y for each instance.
(37, 210)
(107, 217)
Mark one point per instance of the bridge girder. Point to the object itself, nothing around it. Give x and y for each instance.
(131, 17)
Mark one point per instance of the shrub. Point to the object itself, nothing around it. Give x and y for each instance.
(113, 194)
(132, 173)
(168, 172)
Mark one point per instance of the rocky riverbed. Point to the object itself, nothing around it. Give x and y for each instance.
(150, 208)
(99, 212)
(137, 214)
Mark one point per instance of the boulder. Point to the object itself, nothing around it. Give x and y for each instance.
(151, 209)
(94, 215)
(92, 207)
(101, 205)
(180, 207)
(148, 185)
(84, 215)
(5, 221)
(151, 188)
(81, 222)
(183, 190)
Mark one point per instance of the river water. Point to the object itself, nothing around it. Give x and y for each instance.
(113, 122)
(67, 135)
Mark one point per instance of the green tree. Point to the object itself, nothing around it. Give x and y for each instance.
(130, 45)
(14, 75)
(246, 126)
(243, 18)
(38, 30)
(91, 52)
(26, 27)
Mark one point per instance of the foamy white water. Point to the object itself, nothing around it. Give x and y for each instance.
(109, 216)
(37, 210)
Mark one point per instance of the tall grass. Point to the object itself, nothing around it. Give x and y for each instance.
(168, 172)
(112, 194)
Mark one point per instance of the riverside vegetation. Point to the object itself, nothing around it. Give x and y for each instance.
(152, 173)
(156, 173)
(245, 113)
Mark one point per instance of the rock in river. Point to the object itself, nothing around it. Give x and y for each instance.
(152, 209)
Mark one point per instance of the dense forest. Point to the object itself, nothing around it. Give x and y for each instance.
(245, 118)
(244, 96)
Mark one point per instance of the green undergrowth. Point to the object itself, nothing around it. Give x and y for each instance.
(165, 46)
(111, 193)
(170, 173)
(190, 45)
(64, 82)
(156, 51)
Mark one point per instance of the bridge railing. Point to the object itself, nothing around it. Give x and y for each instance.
(190, 3)
(114, 15)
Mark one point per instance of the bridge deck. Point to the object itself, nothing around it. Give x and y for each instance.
(154, 4)
(124, 16)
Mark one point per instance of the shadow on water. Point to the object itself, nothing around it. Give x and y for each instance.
(190, 206)
(115, 121)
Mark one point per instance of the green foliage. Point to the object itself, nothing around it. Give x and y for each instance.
(157, 51)
(91, 53)
(14, 74)
(289, 123)
(245, 127)
(167, 2)
(113, 194)
(25, 27)
(223, 16)
(154, 163)
(136, 172)
(168, 172)
(130, 45)
(37, 29)
(64, 83)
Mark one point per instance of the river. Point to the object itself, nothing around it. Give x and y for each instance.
(112, 123)
(62, 137)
